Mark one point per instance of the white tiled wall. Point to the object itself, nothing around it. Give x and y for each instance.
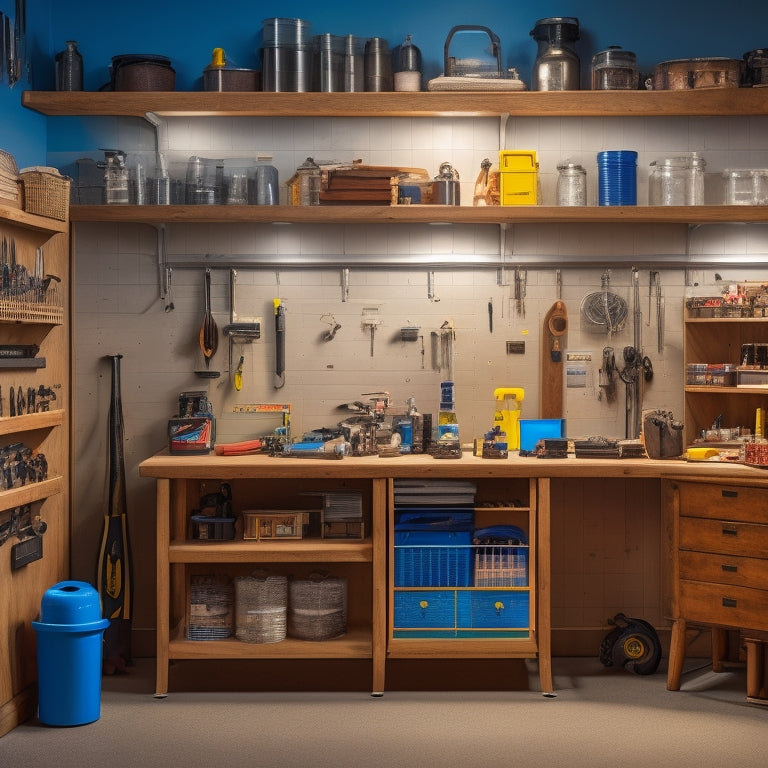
(118, 307)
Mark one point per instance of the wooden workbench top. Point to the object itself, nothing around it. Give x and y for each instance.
(164, 465)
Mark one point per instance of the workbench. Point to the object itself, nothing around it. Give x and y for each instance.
(287, 483)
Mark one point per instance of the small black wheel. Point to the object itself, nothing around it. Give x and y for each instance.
(637, 651)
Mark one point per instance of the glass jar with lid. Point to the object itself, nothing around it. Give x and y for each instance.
(739, 186)
(677, 180)
(571, 184)
(614, 69)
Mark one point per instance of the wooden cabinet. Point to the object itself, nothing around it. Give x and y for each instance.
(280, 483)
(467, 600)
(42, 425)
(714, 341)
(720, 550)
(357, 560)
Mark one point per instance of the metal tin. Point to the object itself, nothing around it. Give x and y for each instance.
(614, 69)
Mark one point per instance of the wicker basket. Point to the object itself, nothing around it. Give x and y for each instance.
(46, 192)
(211, 608)
(145, 76)
(318, 608)
(261, 606)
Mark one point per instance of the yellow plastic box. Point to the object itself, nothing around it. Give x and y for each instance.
(519, 176)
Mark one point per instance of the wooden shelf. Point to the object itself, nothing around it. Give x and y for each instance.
(418, 214)
(356, 643)
(288, 551)
(31, 221)
(27, 494)
(28, 421)
(715, 102)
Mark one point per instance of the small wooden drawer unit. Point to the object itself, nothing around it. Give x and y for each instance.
(722, 552)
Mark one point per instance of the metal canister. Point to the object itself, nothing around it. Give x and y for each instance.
(308, 183)
(69, 68)
(445, 186)
(557, 66)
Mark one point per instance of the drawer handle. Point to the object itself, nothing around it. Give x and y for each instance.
(499, 606)
(730, 568)
(730, 531)
(729, 494)
(729, 602)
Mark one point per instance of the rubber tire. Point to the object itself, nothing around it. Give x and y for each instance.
(637, 651)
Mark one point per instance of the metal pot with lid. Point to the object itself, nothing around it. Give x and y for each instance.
(445, 186)
(557, 66)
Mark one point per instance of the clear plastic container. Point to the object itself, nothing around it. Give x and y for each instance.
(760, 186)
(571, 184)
(739, 186)
(677, 180)
(614, 69)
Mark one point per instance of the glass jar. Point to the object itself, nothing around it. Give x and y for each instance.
(614, 70)
(677, 180)
(739, 187)
(571, 184)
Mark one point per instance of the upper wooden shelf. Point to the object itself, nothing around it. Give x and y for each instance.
(721, 101)
(417, 214)
(31, 221)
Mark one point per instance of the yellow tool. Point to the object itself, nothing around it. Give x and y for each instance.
(508, 418)
(238, 377)
(701, 454)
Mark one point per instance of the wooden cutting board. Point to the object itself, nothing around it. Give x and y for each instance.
(553, 334)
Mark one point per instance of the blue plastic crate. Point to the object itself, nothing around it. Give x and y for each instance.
(433, 559)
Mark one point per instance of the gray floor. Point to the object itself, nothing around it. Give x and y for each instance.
(600, 717)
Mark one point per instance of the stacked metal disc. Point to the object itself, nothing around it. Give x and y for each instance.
(261, 607)
(617, 177)
(286, 55)
(211, 614)
(318, 608)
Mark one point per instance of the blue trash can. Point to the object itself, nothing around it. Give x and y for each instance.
(69, 654)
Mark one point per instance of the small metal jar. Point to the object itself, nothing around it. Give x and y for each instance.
(571, 184)
(614, 69)
(445, 186)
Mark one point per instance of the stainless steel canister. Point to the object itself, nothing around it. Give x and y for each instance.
(557, 66)
(445, 186)
(286, 55)
(328, 63)
(354, 63)
(378, 65)
(614, 69)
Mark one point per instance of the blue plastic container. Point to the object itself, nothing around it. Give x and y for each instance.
(617, 177)
(533, 430)
(69, 654)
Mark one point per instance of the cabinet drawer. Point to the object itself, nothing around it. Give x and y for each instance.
(725, 606)
(433, 609)
(724, 536)
(724, 569)
(726, 502)
(494, 609)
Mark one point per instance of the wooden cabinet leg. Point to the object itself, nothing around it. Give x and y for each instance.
(754, 667)
(719, 648)
(676, 655)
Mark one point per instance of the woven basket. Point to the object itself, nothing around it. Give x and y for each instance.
(145, 76)
(211, 608)
(46, 193)
(318, 608)
(261, 606)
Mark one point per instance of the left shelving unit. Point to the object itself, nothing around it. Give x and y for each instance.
(39, 387)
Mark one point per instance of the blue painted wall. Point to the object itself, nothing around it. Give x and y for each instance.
(188, 31)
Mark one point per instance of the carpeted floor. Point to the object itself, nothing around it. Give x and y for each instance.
(600, 717)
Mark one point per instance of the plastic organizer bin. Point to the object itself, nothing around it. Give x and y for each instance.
(462, 613)
(519, 177)
(433, 559)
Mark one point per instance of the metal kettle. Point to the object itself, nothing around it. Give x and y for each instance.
(557, 66)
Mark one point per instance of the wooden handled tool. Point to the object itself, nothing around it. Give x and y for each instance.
(114, 568)
(552, 343)
(209, 332)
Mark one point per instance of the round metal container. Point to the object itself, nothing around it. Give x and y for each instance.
(692, 74)
(614, 70)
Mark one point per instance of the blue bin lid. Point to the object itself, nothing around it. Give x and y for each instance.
(70, 603)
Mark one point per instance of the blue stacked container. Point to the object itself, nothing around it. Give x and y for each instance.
(617, 177)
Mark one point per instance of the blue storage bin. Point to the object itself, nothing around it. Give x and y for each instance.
(433, 559)
(434, 519)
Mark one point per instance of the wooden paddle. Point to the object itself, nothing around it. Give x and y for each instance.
(552, 346)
